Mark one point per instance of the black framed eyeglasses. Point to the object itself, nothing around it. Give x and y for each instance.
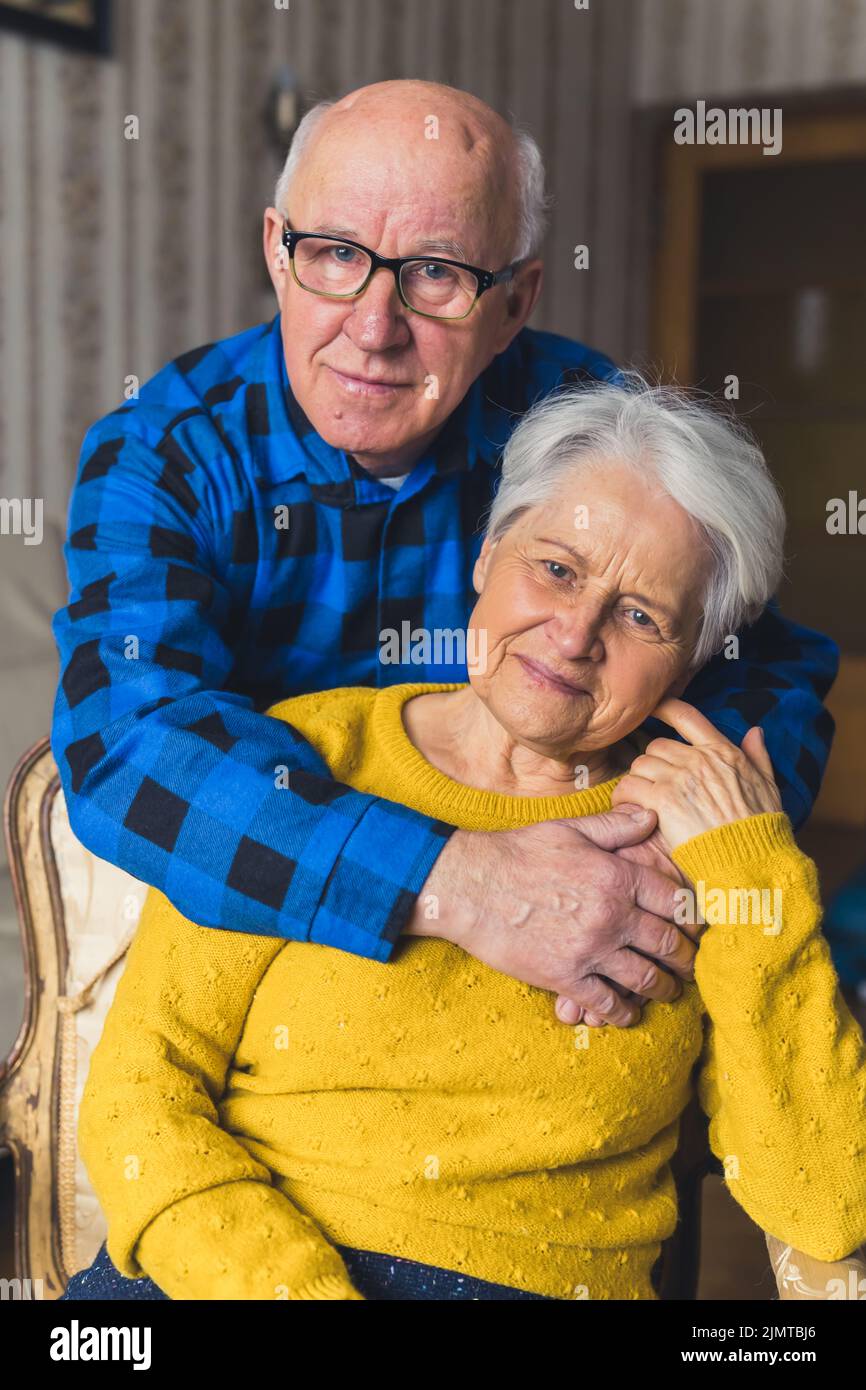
(430, 285)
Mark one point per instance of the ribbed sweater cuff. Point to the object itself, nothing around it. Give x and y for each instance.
(753, 842)
(327, 1286)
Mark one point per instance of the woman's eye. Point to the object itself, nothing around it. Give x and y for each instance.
(640, 618)
(553, 566)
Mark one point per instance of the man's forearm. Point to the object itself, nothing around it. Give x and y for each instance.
(238, 820)
(173, 777)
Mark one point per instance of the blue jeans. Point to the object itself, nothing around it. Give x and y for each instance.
(377, 1277)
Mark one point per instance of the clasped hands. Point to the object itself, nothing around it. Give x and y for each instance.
(584, 908)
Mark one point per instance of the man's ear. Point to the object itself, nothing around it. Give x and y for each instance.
(522, 296)
(482, 564)
(276, 259)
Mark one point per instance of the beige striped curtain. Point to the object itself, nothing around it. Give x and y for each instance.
(704, 48)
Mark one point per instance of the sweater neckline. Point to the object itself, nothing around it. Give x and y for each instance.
(417, 783)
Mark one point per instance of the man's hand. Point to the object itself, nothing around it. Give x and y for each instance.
(653, 853)
(553, 905)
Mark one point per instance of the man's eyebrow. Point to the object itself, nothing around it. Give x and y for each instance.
(446, 245)
(641, 598)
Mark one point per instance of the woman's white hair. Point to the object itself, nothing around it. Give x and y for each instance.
(700, 455)
(534, 202)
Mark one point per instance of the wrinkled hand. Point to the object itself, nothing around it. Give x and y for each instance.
(551, 904)
(703, 784)
(655, 853)
(651, 853)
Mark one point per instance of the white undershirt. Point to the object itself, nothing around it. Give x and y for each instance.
(395, 483)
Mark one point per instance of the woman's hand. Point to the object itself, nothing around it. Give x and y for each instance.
(655, 853)
(703, 784)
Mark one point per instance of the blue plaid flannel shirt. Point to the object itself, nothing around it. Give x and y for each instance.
(193, 608)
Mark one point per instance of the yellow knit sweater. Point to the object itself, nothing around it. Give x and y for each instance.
(253, 1100)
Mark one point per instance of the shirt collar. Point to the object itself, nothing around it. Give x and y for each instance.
(476, 429)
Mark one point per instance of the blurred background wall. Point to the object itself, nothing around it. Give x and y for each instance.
(699, 48)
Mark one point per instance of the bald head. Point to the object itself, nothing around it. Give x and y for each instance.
(432, 139)
(400, 105)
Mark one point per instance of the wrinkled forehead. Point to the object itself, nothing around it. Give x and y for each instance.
(623, 528)
(389, 175)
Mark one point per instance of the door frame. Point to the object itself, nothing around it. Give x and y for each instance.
(810, 132)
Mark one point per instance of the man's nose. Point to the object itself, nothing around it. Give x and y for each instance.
(378, 318)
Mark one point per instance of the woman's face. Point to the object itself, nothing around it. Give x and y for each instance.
(588, 611)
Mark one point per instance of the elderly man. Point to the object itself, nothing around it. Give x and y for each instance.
(273, 504)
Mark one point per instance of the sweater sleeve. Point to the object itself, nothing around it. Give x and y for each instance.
(783, 1073)
(185, 1201)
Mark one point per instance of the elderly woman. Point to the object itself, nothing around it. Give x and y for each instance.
(269, 1119)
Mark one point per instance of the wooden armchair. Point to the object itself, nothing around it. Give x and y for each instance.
(78, 916)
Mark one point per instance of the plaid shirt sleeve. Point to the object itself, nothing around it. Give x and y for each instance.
(231, 813)
(779, 680)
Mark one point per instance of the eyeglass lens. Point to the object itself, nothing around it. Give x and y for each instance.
(335, 267)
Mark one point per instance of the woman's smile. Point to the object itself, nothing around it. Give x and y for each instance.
(540, 675)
